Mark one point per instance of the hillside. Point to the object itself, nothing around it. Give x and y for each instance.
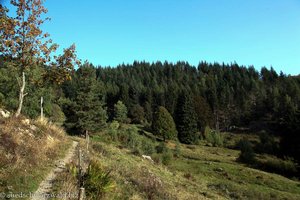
(185, 172)
(29, 149)
(153, 129)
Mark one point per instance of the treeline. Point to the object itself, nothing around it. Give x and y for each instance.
(221, 96)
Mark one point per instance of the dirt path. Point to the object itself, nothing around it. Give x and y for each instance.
(42, 193)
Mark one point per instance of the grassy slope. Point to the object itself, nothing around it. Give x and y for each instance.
(200, 172)
(28, 152)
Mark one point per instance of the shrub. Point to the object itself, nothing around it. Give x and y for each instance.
(161, 147)
(214, 137)
(207, 131)
(133, 141)
(247, 153)
(167, 157)
(120, 112)
(156, 158)
(147, 147)
(283, 167)
(113, 130)
(267, 144)
(177, 150)
(97, 181)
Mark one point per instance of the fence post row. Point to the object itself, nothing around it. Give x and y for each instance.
(81, 195)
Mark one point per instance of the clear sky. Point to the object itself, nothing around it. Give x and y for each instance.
(110, 32)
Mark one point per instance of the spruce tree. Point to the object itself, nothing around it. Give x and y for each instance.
(186, 120)
(89, 109)
(163, 124)
(120, 112)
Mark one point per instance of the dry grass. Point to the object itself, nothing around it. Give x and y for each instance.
(27, 150)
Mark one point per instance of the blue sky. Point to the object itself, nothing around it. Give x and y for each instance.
(254, 32)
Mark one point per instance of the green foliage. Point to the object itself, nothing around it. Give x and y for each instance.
(167, 156)
(267, 144)
(86, 112)
(203, 112)
(247, 153)
(57, 115)
(97, 181)
(275, 165)
(113, 130)
(120, 112)
(214, 137)
(177, 150)
(72, 169)
(137, 114)
(163, 124)
(133, 141)
(290, 140)
(161, 147)
(186, 120)
(147, 147)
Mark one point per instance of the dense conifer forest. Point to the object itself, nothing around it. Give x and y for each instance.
(225, 97)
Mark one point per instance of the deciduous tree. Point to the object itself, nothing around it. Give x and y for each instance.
(26, 45)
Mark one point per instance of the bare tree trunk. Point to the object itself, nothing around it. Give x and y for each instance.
(42, 109)
(21, 95)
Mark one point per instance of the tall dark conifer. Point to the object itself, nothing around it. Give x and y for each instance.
(88, 106)
(186, 120)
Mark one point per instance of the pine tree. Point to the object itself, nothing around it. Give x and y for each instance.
(120, 112)
(186, 120)
(89, 109)
(163, 124)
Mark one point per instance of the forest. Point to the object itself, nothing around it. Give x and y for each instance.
(224, 97)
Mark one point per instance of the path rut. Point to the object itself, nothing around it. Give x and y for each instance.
(43, 192)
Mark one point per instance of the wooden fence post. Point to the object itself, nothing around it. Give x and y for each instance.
(87, 137)
(81, 194)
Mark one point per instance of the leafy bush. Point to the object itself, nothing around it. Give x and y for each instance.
(247, 153)
(147, 147)
(167, 156)
(133, 141)
(283, 167)
(113, 130)
(161, 147)
(156, 158)
(267, 144)
(214, 137)
(97, 181)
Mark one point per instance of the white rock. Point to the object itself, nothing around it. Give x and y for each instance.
(147, 157)
(33, 127)
(4, 113)
(26, 121)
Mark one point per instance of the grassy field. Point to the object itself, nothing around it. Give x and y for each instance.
(200, 172)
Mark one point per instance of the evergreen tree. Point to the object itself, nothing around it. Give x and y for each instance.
(186, 120)
(120, 110)
(163, 124)
(89, 109)
(137, 114)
